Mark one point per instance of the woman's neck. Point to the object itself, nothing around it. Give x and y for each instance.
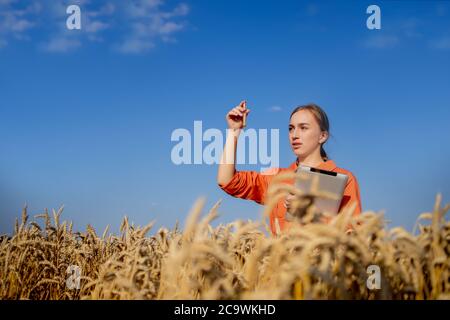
(312, 160)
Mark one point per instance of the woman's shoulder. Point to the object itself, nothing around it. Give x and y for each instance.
(271, 171)
(275, 171)
(347, 172)
(331, 166)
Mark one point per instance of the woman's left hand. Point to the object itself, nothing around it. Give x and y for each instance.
(288, 201)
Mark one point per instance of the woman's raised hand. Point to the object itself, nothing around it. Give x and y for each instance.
(235, 117)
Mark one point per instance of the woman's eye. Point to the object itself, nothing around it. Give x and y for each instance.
(290, 129)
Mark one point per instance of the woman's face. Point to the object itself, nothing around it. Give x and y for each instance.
(305, 134)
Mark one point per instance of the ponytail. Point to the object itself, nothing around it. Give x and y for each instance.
(323, 154)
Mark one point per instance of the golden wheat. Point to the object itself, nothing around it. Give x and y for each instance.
(312, 260)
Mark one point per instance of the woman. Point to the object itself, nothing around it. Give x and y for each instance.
(308, 132)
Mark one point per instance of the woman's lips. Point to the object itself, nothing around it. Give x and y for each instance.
(296, 145)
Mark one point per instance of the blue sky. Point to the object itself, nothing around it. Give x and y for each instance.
(86, 115)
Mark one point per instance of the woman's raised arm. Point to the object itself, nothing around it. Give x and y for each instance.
(235, 121)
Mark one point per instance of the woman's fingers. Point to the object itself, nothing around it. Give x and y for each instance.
(242, 111)
(288, 199)
(234, 114)
(237, 111)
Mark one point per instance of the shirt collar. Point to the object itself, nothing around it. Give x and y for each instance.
(328, 165)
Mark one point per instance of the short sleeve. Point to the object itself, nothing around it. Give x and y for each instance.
(249, 185)
(351, 195)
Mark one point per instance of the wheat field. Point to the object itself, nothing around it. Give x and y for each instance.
(311, 260)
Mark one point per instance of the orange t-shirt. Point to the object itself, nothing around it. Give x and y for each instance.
(252, 185)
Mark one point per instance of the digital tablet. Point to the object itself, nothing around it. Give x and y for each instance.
(330, 181)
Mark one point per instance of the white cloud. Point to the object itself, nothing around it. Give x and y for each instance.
(15, 23)
(5, 2)
(141, 24)
(95, 26)
(149, 23)
(442, 43)
(64, 40)
(61, 44)
(106, 10)
(135, 46)
(404, 31)
(381, 41)
(91, 25)
(441, 10)
(312, 9)
(181, 10)
(143, 8)
(275, 109)
(411, 26)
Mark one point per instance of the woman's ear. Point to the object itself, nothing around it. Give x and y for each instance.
(323, 137)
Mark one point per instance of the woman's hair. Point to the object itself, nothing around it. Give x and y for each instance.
(321, 118)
